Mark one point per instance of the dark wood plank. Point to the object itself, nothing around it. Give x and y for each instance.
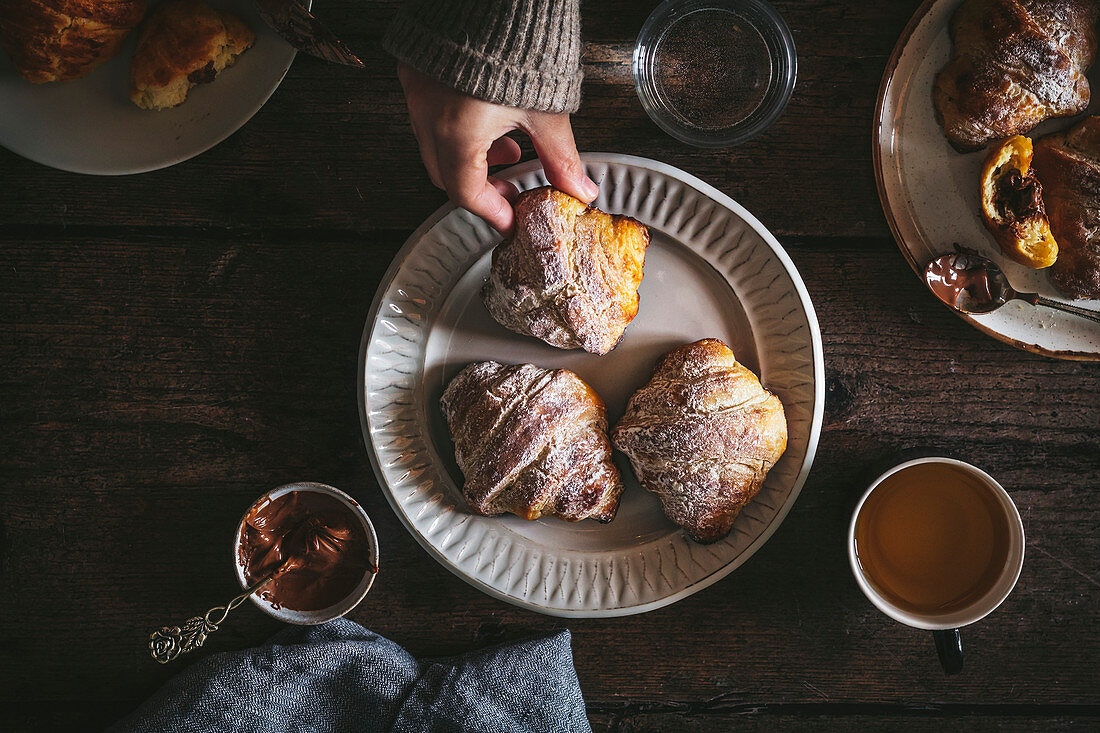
(839, 717)
(177, 342)
(332, 148)
(154, 384)
(703, 717)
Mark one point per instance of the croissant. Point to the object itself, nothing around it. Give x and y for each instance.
(58, 40)
(532, 442)
(570, 273)
(1068, 165)
(183, 43)
(1016, 63)
(1012, 204)
(702, 435)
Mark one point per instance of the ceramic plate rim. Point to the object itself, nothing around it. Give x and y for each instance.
(818, 365)
(884, 201)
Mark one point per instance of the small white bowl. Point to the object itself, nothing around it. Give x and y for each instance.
(310, 618)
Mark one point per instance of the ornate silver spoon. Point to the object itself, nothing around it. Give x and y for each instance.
(168, 642)
(973, 284)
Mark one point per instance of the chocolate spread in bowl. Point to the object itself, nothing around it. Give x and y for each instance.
(321, 540)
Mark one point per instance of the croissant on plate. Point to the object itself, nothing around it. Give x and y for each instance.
(58, 40)
(570, 273)
(181, 44)
(532, 442)
(1012, 204)
(702, 435)
(1015, 64)
(1068, 165)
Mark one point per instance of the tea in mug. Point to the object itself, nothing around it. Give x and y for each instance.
(932, 538)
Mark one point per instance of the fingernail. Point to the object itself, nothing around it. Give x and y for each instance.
(591, 190)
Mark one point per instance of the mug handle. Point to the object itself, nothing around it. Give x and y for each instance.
(950, 648)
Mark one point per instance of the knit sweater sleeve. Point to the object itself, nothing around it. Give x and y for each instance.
(519, 53)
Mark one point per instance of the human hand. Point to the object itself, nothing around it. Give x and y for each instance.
(461, 136)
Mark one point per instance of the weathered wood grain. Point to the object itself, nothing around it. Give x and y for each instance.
(332, 147)
(155, 383)
(175, 343)
(840, 717)
(684, 718)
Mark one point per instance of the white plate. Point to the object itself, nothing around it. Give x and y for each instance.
(89, 125)
(929, 192)
(711, 270)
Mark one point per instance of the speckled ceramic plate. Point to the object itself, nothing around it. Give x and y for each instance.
(711, 270)
(89, 125)
(929, 192)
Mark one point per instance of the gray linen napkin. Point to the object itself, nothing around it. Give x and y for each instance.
(342, 677)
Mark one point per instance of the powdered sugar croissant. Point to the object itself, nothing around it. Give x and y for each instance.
(532, 442)
(702, 435)
(1015, 64)
(569, 275)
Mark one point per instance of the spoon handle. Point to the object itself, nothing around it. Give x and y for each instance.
(168, 642)
(1076, 310)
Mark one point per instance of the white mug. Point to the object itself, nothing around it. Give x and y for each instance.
(945, 627)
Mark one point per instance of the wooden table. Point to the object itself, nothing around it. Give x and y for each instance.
(173, 344)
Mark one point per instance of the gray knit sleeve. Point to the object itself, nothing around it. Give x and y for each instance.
(519, 53)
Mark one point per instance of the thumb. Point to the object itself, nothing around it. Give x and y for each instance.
(552, 137)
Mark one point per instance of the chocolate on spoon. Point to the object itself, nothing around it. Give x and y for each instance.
(973, 284)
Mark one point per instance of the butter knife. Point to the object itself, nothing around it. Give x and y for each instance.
(300, 29)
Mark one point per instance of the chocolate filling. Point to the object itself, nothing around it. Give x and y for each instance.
(205, 75)
(1018, 198)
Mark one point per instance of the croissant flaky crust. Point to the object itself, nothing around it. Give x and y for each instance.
(1068, 165)
(532, 442)
(183, 43)
(702, 434)
(59, 40)
(570, 273)
(1016, 63)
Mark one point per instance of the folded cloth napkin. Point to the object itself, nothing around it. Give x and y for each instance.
(342, 677)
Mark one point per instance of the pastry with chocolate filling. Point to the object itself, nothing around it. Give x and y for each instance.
(1012, 205)
(702, 435)
(181, 44)
(570, 273)
(532, 442)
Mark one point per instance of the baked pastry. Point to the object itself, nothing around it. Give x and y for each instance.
(701, 435)
(532, 442)
(58, 40)
(1068, 164)
(181, 44)
(570, 273)
(1012, 204)
(1015, 64)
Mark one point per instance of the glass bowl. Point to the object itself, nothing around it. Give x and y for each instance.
(714, 73)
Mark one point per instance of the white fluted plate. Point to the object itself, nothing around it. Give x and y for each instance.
(711, 270)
